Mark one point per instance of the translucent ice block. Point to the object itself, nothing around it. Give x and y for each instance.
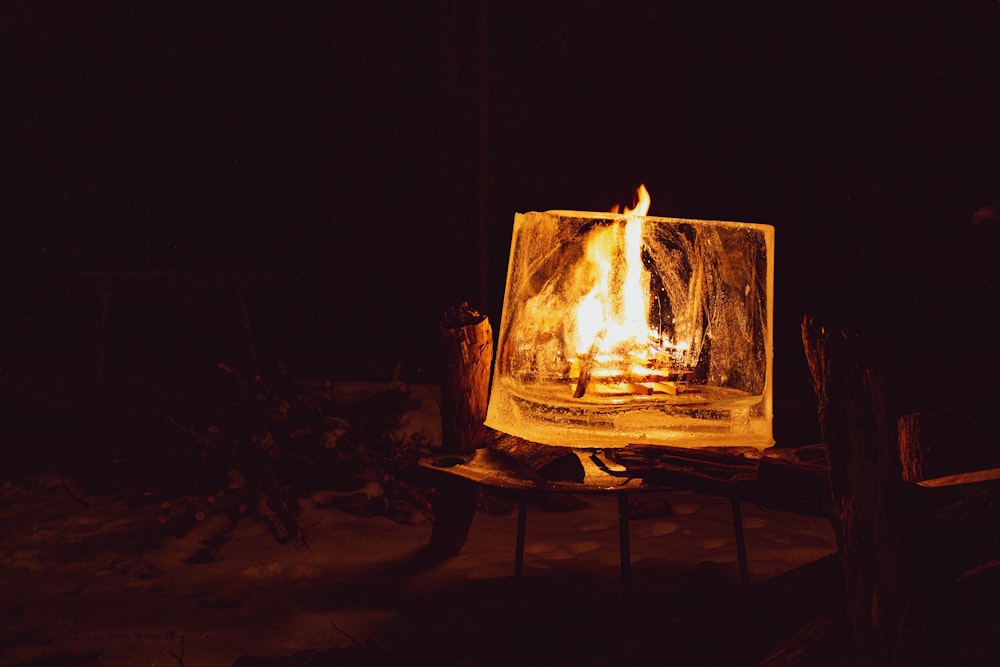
(582, 361)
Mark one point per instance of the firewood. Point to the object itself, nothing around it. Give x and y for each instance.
(467, 351)
(676, 388)
(586, 365)
(727, 471)
(551, 463)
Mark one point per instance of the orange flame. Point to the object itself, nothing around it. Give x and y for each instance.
(615, 311)
(640, 206)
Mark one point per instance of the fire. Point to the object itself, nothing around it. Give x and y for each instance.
(641, 206)
(611, 333)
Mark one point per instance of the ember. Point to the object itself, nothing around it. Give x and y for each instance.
(624, 328)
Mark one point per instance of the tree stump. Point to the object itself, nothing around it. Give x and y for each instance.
(467, 355)
(866, 487)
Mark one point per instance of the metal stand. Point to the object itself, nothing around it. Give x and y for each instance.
(624, 545)
(741, 547)
(522, 520)
(489, 469)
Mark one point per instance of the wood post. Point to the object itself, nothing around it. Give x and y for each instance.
(467, 355)
(865, 485)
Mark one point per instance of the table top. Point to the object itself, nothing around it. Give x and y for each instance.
(486, 467)
(776, 478)
(603, 473)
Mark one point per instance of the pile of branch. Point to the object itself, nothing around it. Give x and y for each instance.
(281, 437)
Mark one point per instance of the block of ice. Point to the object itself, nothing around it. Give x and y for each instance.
(621, 329)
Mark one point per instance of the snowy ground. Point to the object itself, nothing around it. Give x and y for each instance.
(99, 579)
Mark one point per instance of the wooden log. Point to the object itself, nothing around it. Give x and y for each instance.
(866, 486)
(586, 365)
(467, 352)
(550, 463)
(665, 465)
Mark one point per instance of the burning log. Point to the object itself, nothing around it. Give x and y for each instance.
(674, 388)
(586, 365)
(653, 377)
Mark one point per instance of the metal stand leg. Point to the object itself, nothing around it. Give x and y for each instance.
(741, 547)
(624, 547)
(522, 520)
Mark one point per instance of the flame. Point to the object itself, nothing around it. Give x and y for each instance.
(615, 312)
(610, 332)
(641, 205)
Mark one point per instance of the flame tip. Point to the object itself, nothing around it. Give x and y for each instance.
(640, 204)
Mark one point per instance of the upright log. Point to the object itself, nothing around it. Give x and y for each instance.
(865, 484)
(466, 355)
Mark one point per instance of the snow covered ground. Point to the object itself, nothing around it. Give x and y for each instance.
(87, 578)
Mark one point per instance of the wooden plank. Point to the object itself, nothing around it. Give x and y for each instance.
(962, 479)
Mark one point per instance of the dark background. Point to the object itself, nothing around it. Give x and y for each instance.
(369, 157)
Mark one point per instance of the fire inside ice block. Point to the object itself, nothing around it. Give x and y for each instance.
(629, 329)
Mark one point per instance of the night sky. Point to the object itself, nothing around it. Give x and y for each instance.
(342, 147)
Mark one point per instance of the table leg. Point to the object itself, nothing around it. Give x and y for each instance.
(624, 546)
(741, 547)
